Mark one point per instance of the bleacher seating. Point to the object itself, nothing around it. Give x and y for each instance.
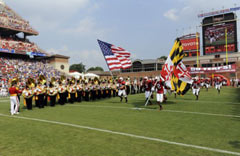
(23, 69)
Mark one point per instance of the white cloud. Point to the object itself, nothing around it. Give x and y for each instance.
(89, 58)
(51, 14)
(86, 26)
(171, 14)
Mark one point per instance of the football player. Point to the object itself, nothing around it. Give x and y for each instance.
(196, 87)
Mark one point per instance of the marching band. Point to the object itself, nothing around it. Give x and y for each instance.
(64, 90)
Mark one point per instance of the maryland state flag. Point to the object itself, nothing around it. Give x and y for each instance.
(174, 71)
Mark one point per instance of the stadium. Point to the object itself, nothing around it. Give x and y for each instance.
(18, 53)
(46, 112)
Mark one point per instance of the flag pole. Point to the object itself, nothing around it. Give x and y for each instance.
(150, 94)
(226, 46)
(197, 48)
(106, 62)
(108, 66)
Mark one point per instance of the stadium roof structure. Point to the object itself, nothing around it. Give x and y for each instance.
(12, 23)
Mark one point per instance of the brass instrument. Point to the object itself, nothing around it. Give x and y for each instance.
(53, 80)
(30, 83)
(42, 79)
(63, 79)
(52, 91)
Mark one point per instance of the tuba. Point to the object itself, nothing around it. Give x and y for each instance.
(42, 79)
(73, 80)
(53, 81)
(30, 83)
(63, 79)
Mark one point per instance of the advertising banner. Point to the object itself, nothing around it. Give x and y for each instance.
(220, 69)
(190, 44)
(4, 50)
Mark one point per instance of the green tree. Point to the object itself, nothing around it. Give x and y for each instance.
(95, 69)
(78, 67)
(163, 57)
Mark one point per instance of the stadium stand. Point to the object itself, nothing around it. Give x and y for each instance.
(11, 20)
(19, 57)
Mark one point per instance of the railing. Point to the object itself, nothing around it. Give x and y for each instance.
(143, 69)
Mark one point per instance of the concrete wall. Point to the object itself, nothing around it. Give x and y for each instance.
(58, 63)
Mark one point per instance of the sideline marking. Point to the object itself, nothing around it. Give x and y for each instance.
(125, 134)
(204, 101)
(173, 111)
(5, 100)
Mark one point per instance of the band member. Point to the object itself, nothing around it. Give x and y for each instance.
(99, 92)
(28, 95)
(45, 95)
(61, 92)
(114, 88)
(160, 92)
(147, 84)
(93, 91)
(196, 88)
(79, 91)
(13, 91)
(72, 92)
(39, 96)
(103, 88)
(122, 90)
(52, 93)
(109, 89)
(86, 91)
(43, 86)
(128, 86)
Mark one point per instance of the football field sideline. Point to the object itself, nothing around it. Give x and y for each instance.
(166, 110)
(124, 134)
(172, 111)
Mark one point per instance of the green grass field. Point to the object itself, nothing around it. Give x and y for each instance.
(186, 127)
(220, 42)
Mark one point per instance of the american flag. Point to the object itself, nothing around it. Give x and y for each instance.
(116, 57)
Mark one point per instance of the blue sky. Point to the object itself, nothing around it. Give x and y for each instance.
(146, 28)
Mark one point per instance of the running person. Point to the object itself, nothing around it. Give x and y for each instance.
(196, 88)
(160, 93)
(218, 84)
(122, 89)
(147, 84)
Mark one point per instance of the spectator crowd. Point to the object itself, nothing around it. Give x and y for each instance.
(18, 45)
(23, 69)
(9, 19)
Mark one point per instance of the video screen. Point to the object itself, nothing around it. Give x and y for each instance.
(215, 38)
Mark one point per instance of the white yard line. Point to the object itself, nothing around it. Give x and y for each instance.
(172, 111)
(1, 101)
(199, 113)
(204, 101)
(126, 134)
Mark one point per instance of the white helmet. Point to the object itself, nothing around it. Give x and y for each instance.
(145, 77)
(121, 78)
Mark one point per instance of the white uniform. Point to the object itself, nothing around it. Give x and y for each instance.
(122, 92)
(195, 88)
(218, 85)
(14, 104)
